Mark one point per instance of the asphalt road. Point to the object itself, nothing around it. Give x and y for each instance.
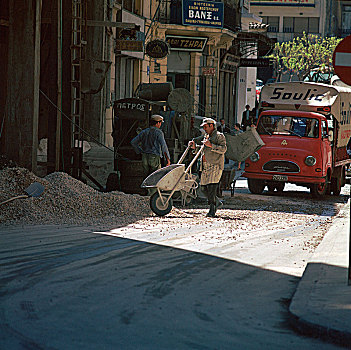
(142, 287)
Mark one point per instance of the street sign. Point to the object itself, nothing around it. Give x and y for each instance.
(254, 62)
(203, 13)
(342, 60)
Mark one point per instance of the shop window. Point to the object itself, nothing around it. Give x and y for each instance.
(134, 6)
(301, 24)
(346, 19)
(128, 5)
(273, 22)
(179, 80)
(288, 25)
(313, 25)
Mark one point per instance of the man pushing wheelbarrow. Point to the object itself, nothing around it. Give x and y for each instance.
(211, 149)
(212, 162)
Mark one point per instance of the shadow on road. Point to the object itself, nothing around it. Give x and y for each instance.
(76, 289)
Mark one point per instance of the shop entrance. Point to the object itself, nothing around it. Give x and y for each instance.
(179, 80)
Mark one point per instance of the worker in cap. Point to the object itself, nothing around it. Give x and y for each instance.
(157, 118)
(152, 145)
(208, 121)
(212, 162)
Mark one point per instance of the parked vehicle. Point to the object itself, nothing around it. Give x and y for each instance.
(306, 128)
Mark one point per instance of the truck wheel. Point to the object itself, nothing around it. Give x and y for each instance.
(271, 187)
(319, 190)
(157, 206)
(335, 186)
(280, 186)
(256, 186)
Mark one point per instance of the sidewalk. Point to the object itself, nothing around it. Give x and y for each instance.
(321, 306)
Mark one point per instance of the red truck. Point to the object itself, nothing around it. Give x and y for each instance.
(306, 128)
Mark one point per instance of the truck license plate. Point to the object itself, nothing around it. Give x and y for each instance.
(280, 178)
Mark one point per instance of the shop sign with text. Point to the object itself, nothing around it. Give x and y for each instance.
(209, 71)
(230, 63)
(203, 13)
(186, 43)
(129, 45)
(254, 62)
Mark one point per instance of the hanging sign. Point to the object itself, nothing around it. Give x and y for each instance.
(203, 13)
(157, 49)
(129, 45)
(254, 62)
(230, 63)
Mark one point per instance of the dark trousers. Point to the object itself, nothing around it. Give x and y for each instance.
(210, 191)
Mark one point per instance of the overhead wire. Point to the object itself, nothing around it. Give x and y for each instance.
(72, 122)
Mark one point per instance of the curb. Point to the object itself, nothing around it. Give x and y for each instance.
(313, 281)
(320, 332)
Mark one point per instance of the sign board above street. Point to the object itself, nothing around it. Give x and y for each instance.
(230, 63)
(129, 45)
(342, 60)
(254, 62)
(186, 43)
(203, 13)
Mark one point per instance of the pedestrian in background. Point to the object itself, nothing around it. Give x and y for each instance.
(212, 162)
(223, 128)
(152, 145)
(247, 119)
(236, 130)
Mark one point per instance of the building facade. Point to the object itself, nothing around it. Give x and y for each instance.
(338, 21)
(64, 68)
(288, 19)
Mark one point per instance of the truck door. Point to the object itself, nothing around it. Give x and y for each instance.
(326, 147)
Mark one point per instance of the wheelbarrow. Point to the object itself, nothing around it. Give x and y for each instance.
(171, 179)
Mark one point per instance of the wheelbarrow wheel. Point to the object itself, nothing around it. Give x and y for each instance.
(158, 207)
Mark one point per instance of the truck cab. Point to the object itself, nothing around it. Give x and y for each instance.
(303, 129)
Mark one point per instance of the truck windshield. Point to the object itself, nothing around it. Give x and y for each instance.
(288, 125)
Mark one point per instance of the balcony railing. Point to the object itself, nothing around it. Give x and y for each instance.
(171, 13)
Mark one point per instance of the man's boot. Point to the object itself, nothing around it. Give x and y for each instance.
(212, 212)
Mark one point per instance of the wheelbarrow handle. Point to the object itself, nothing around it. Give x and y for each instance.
(183, 155)
(199, 152)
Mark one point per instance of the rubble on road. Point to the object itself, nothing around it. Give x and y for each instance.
(65, 200)
(68, 201)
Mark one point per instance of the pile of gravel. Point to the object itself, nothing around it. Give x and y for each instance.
(65, 200)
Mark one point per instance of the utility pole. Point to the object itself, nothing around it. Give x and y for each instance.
(59, 86)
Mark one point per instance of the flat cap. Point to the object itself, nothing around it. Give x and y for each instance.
(208, 121)
(157, 118)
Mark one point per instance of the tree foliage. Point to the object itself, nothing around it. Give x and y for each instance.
(304, 55)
